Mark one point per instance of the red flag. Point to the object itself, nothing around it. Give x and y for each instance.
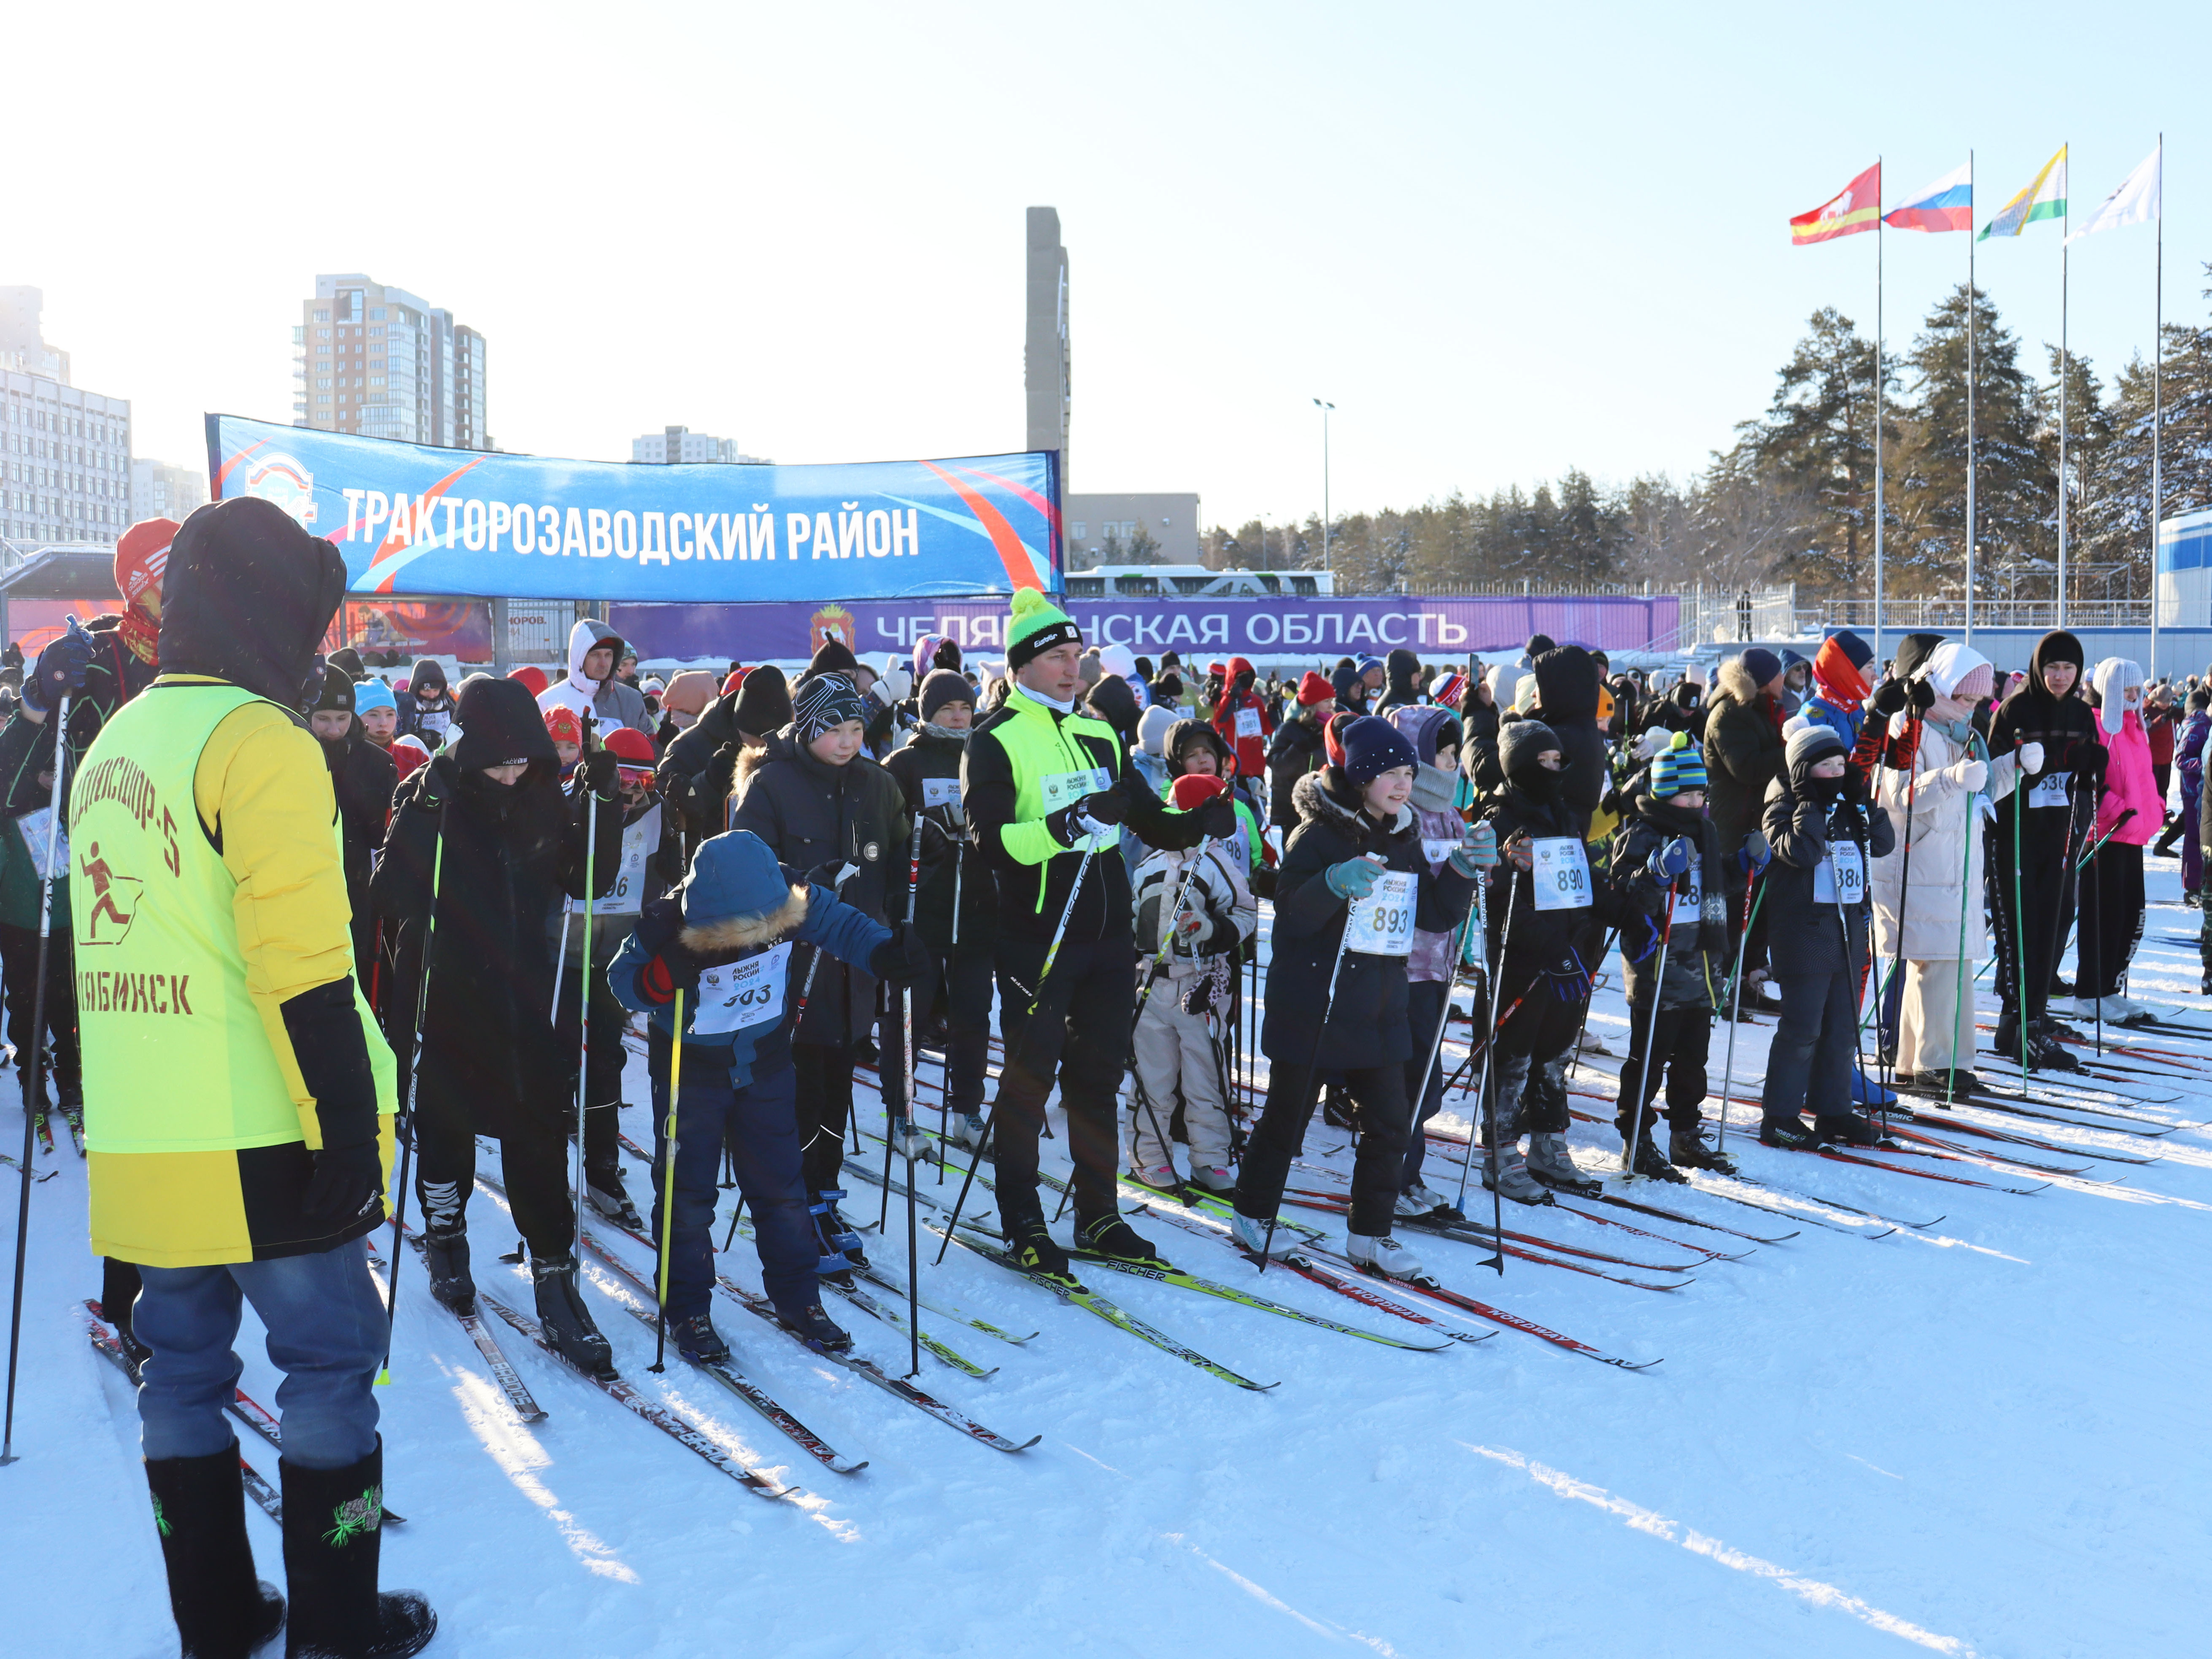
(1857, 208)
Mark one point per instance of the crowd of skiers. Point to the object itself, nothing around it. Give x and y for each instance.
(453, 907)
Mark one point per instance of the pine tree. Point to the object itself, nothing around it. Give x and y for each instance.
(2119, 512)
(1817, 439)
(2089, 435)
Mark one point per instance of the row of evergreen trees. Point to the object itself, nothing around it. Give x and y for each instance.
(1792, 498)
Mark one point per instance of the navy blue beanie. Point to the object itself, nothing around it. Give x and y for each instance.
(1372, 747)
(1761, 664)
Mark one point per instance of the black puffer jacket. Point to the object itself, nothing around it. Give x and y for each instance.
(1567, 700)
(511, 855)
(1804, 935)
(1542, 940)
(1367, 1023)
(815, 817)
(1398, 689)
(363, 777)
(1743, 752)
(1294, 750)
(929, 766)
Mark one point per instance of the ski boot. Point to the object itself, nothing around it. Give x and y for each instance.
(567, 1323)
(603, 1191)
(1160, 1178)
(1386, 1258)
(1956, 1084)
(1790, 1134)
(969, 1134)
(446, 1253)
(816, 1329)
(1687, 1149)
(36, 1106)
(1034, 1250)
(333, 1526)
(1512, 1179)
(696, 1338)
(908, 1141)
(1421, 1202)
(199, 1513)
(1647, 1162)
(1847, 1129)
(1252, 1233)
(1215, 1178)
(1336, 1108)
(1110, 1236)
(1551, 1163)
(841, 1244)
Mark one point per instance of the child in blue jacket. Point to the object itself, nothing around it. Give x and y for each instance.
(722, 940)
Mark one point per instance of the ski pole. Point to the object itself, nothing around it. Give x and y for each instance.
(414, 1086)
(2019, 800)
(37, 1091)
(2097, 921)
(1844, 929)
(1313, 1063)
(583, 967)
(1651, 1040)
(1735, 992)
(845, 873)
(1483, 1101)
(945, 1092)
(1888, 1073)
(1036, 998)
(1443, 1017)
(1958, 976)
(668, 1185)
(906, 1003)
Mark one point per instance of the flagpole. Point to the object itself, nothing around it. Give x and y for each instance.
(1878, 514)
(2157, 398)
(1970, 418)
(2066, 225)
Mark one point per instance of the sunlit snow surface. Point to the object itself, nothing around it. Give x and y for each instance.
(1986, 1436)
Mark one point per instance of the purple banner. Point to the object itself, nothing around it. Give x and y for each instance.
(1301, 628)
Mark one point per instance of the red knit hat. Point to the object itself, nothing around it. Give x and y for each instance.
(1193, 790)
(408, 753)
(1332, 735)
(531, 676)
(563, 726)
(1314, 689)
(737, 677)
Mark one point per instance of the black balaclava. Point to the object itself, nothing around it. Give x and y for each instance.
(246, 597)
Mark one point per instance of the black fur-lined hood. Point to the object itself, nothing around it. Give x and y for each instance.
(1330, 800)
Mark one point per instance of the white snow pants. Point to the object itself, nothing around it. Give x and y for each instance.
(1936, 1026)
(1175, 1056)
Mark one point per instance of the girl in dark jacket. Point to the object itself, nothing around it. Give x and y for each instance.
(485, 824)
(1826, 834)
(1352, 887)
(822, 806)
(956, 912)
(1558, 907)
(1668, 855)
(427, 707)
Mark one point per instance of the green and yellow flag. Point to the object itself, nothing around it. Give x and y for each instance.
(2045, 198)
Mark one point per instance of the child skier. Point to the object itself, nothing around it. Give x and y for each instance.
(1823, 831)
(1352, 887)
(723, 942)
(1674, 880)
(1549, 911)
(1193, 912)
(956, 912)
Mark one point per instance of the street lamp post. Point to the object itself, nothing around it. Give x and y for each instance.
(1328, 562)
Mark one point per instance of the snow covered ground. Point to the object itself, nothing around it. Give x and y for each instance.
(1983, 1435)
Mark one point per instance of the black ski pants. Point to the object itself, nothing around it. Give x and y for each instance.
(824, 1101)
(1532, 1047)
(19, 966)
(534, 1165)
(1079, 1036)
(2111, 919)
(1672, 1050)
(604, 1056)
(956, 984)
(1809, 1061)
(1425, 1095)
(2029, 947)
(1378, 1168)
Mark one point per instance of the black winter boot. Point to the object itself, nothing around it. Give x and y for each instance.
(567, 1323)
(332, 1537)
(445, 1256)
(222, 1610)
(1790, 1134)
(1848, 1129)
(1687, 1149)
(1109, 1234)
(815, 1328)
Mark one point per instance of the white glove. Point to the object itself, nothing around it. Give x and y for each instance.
(894, 686)
(1652, 742)
(2031, 758)
(1899, 724)
(1974, 775)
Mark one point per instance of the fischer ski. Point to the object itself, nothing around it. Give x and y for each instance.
(1189, 1281)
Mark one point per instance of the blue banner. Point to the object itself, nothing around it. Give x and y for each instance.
(411, 519)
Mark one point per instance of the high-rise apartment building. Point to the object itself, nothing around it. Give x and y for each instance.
(378, 361)
(158, 490)
(64, 452)
(673, 445)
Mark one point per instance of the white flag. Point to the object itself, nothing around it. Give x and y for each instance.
(2133, 202)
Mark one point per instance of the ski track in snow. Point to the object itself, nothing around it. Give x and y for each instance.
(1993, 1446)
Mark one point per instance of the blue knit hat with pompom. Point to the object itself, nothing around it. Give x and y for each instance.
(1677, 767)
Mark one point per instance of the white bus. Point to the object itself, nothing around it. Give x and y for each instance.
(1149, 581)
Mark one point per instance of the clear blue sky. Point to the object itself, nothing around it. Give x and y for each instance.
(1502, 239)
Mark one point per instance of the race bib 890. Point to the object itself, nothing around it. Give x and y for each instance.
(1560, 873)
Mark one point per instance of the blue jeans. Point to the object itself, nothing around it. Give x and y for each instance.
(760, 1124)
(327, 1333)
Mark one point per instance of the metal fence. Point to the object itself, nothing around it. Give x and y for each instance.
(1948, 614)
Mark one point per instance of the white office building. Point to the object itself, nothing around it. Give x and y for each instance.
(673, 446)
(65, 452)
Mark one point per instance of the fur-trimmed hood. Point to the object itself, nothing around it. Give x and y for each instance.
(741, 932)
(1328, 798)
(1733, 680)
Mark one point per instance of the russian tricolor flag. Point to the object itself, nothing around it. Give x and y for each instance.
(1947, 204)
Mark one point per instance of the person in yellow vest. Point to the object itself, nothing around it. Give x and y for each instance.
(238, 1097)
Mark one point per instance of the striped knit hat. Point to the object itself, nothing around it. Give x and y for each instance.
(1677, 767)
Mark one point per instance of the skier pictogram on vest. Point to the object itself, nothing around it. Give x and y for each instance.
(113, 897)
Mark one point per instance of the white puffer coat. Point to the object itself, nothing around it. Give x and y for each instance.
(1945, 843)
